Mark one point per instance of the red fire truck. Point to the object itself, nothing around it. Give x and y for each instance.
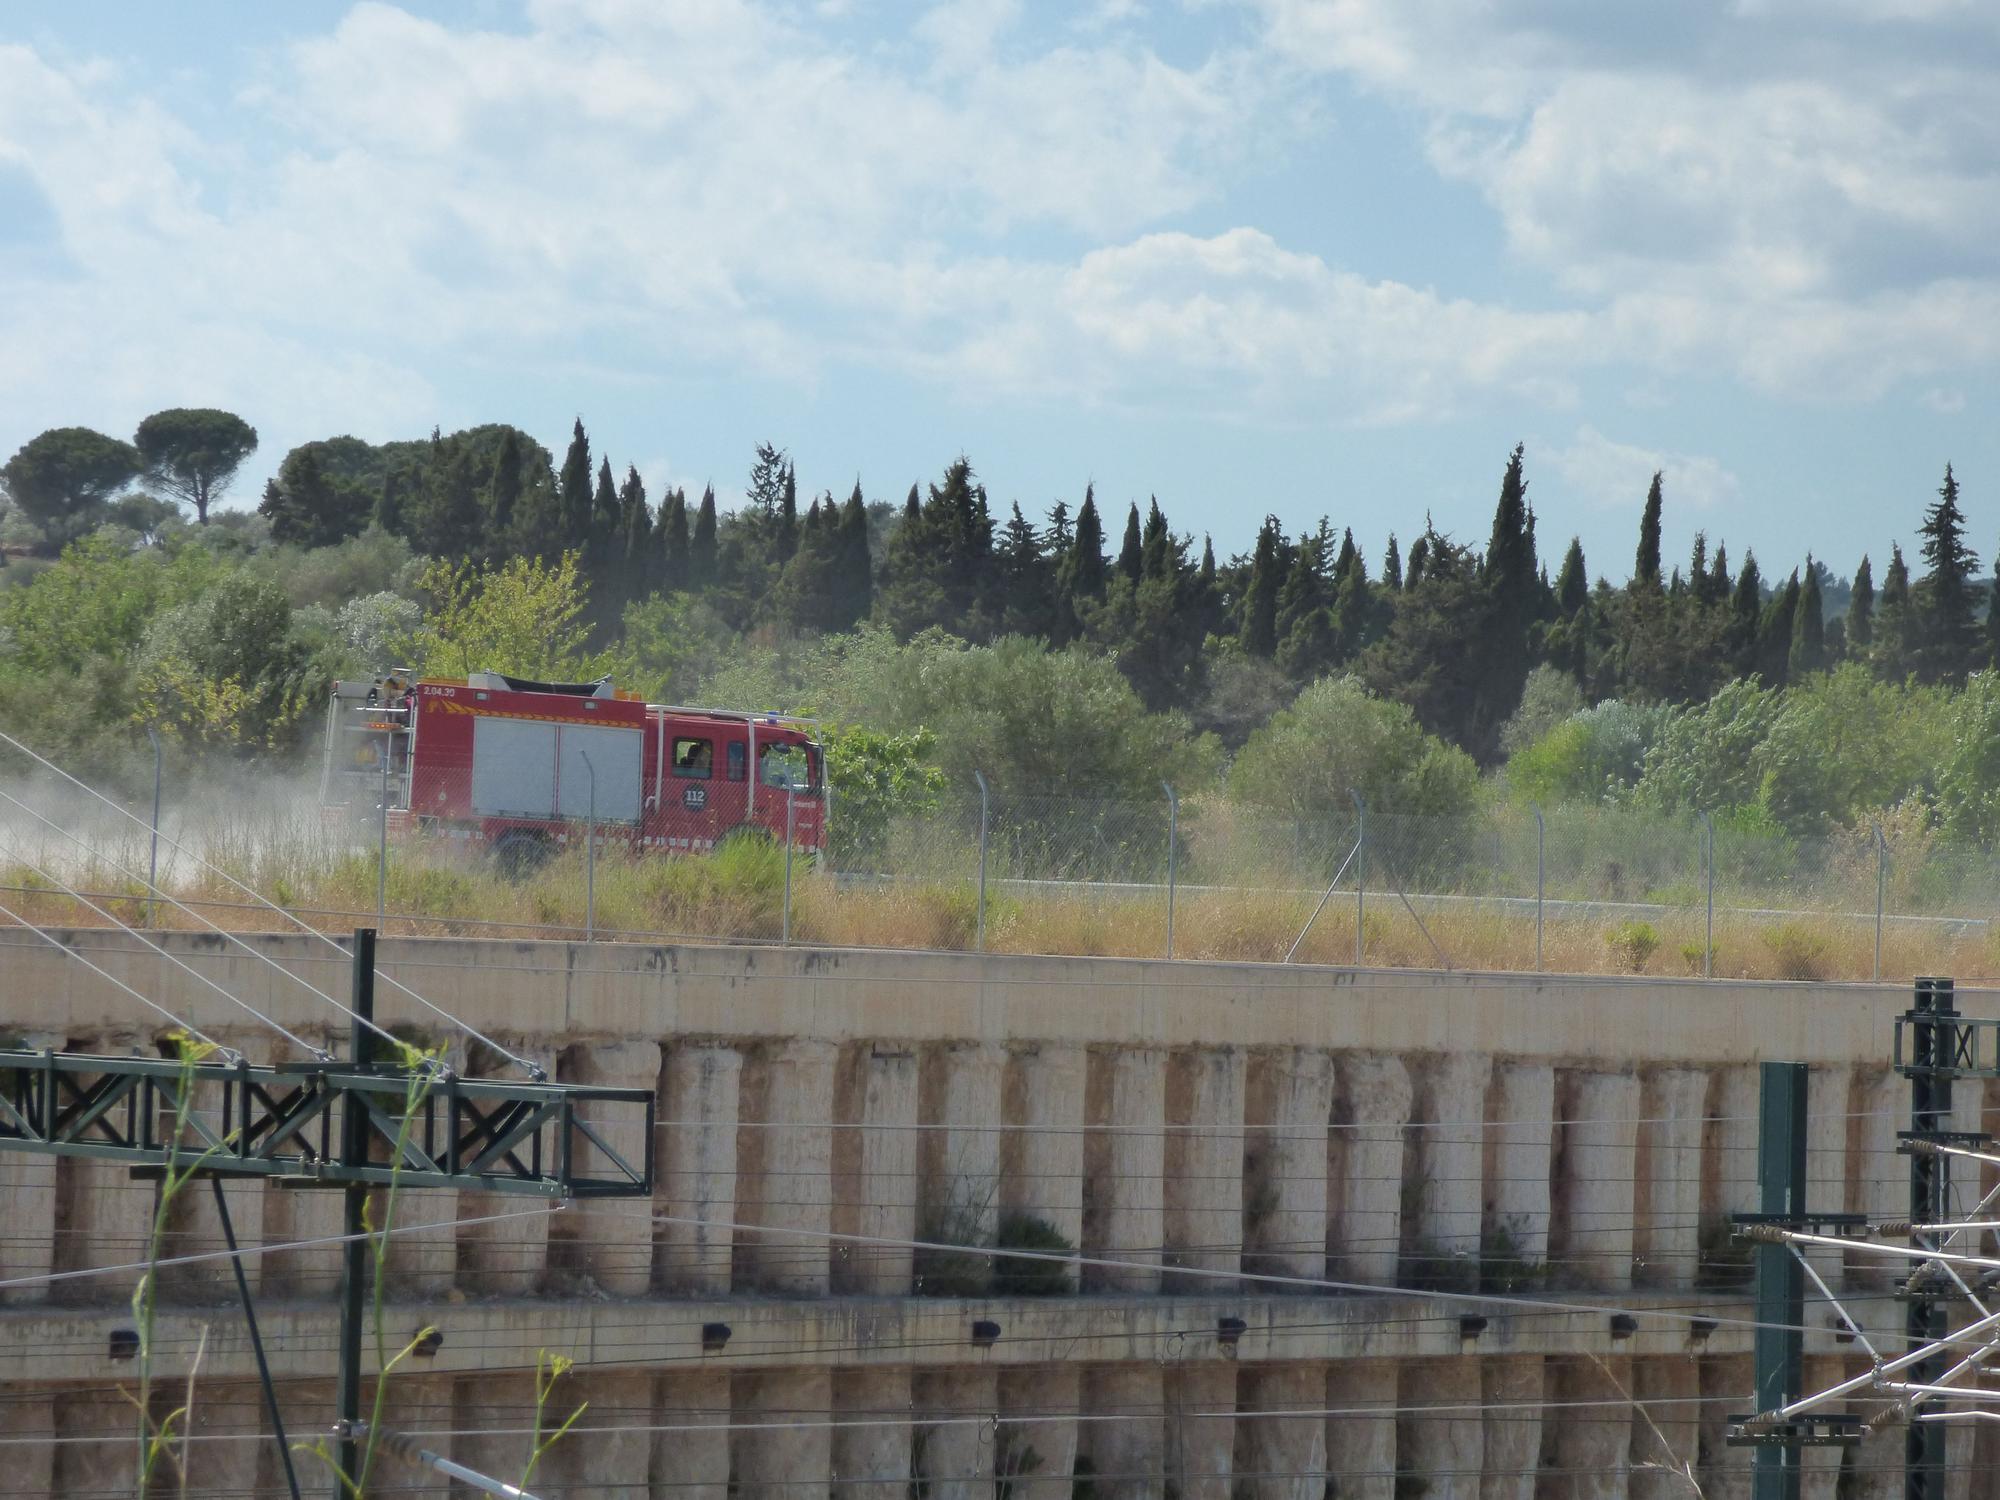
(518, 766)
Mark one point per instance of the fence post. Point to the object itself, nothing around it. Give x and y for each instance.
(153, 860)
(1360, 869)
(1881, 891)
(590, 855)
(786, 935)
(1173, 856)
(1708, 933)
(1541, 885)
(980, 777)
(382, 843)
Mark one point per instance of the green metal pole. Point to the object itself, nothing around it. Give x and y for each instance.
(354, 1253)
(1933, 1030)
(1779, 1346)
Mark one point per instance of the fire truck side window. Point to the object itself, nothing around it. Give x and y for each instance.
(738, 759)
(693, 757)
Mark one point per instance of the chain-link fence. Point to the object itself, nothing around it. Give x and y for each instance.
(1005, 868)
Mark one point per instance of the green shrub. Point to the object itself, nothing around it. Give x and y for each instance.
(1798, 951)
(1030, 1278)
(1504, 1264)
(1632, 944)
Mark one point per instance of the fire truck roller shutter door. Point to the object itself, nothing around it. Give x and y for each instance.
(617, 756)
(513, 768)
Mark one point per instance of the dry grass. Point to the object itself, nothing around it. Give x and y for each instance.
(738, 895)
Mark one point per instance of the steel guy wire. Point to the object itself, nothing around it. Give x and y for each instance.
(113, 979)
(318, 1053)
(533, 1069)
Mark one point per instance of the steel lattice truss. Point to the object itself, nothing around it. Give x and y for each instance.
(284, 1122)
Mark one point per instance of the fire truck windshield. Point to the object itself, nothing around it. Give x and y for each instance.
(786, 767)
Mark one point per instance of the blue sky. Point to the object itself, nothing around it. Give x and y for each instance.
(1299, 256)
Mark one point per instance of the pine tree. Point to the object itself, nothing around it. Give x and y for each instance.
(1808, 648)
(938, 567)
(1304, 625)
(1022, 576)
(1646, 565)
(1259, 627)
(575, 490)
(1861, 610)
(702, 568)
(1392, 567)
(1948, 640)
(1131, 560)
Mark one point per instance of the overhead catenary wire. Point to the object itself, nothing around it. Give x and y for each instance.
(532, 1068)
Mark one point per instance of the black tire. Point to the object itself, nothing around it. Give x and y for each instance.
(519, 854)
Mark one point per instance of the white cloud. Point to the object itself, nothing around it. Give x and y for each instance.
(1614, 476)
(1773, 182)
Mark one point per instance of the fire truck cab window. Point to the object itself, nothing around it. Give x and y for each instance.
(784, 767)
(693, 757)
(738, 760)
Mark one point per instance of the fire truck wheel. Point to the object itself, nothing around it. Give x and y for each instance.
(520, 853)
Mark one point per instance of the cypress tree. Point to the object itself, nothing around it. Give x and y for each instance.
(1992, 646)
(503, 492)
(1861, 610)
(1774, 632)
(787, 538)
(1699, 581)
(1572, 581)
(1718, 576)
(1948, 638)
(537, 529)
(1392, 567)
(636, 536)
(1022, 576)
(1131, 560)
(1353, 612)
(1419, 555)
(1808, 649)
(857, 568)
(575, 490)
(1893, 625)
(1646, 565)
(673, 541)
(701, 545)
(1157, 557)
(1349, 556)
(389, 507)
(605, 511)
(1083, 574)
(913, 506)
(1746, 607)
(1260, 596)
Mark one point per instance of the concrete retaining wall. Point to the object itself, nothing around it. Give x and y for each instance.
(1576, 1139)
